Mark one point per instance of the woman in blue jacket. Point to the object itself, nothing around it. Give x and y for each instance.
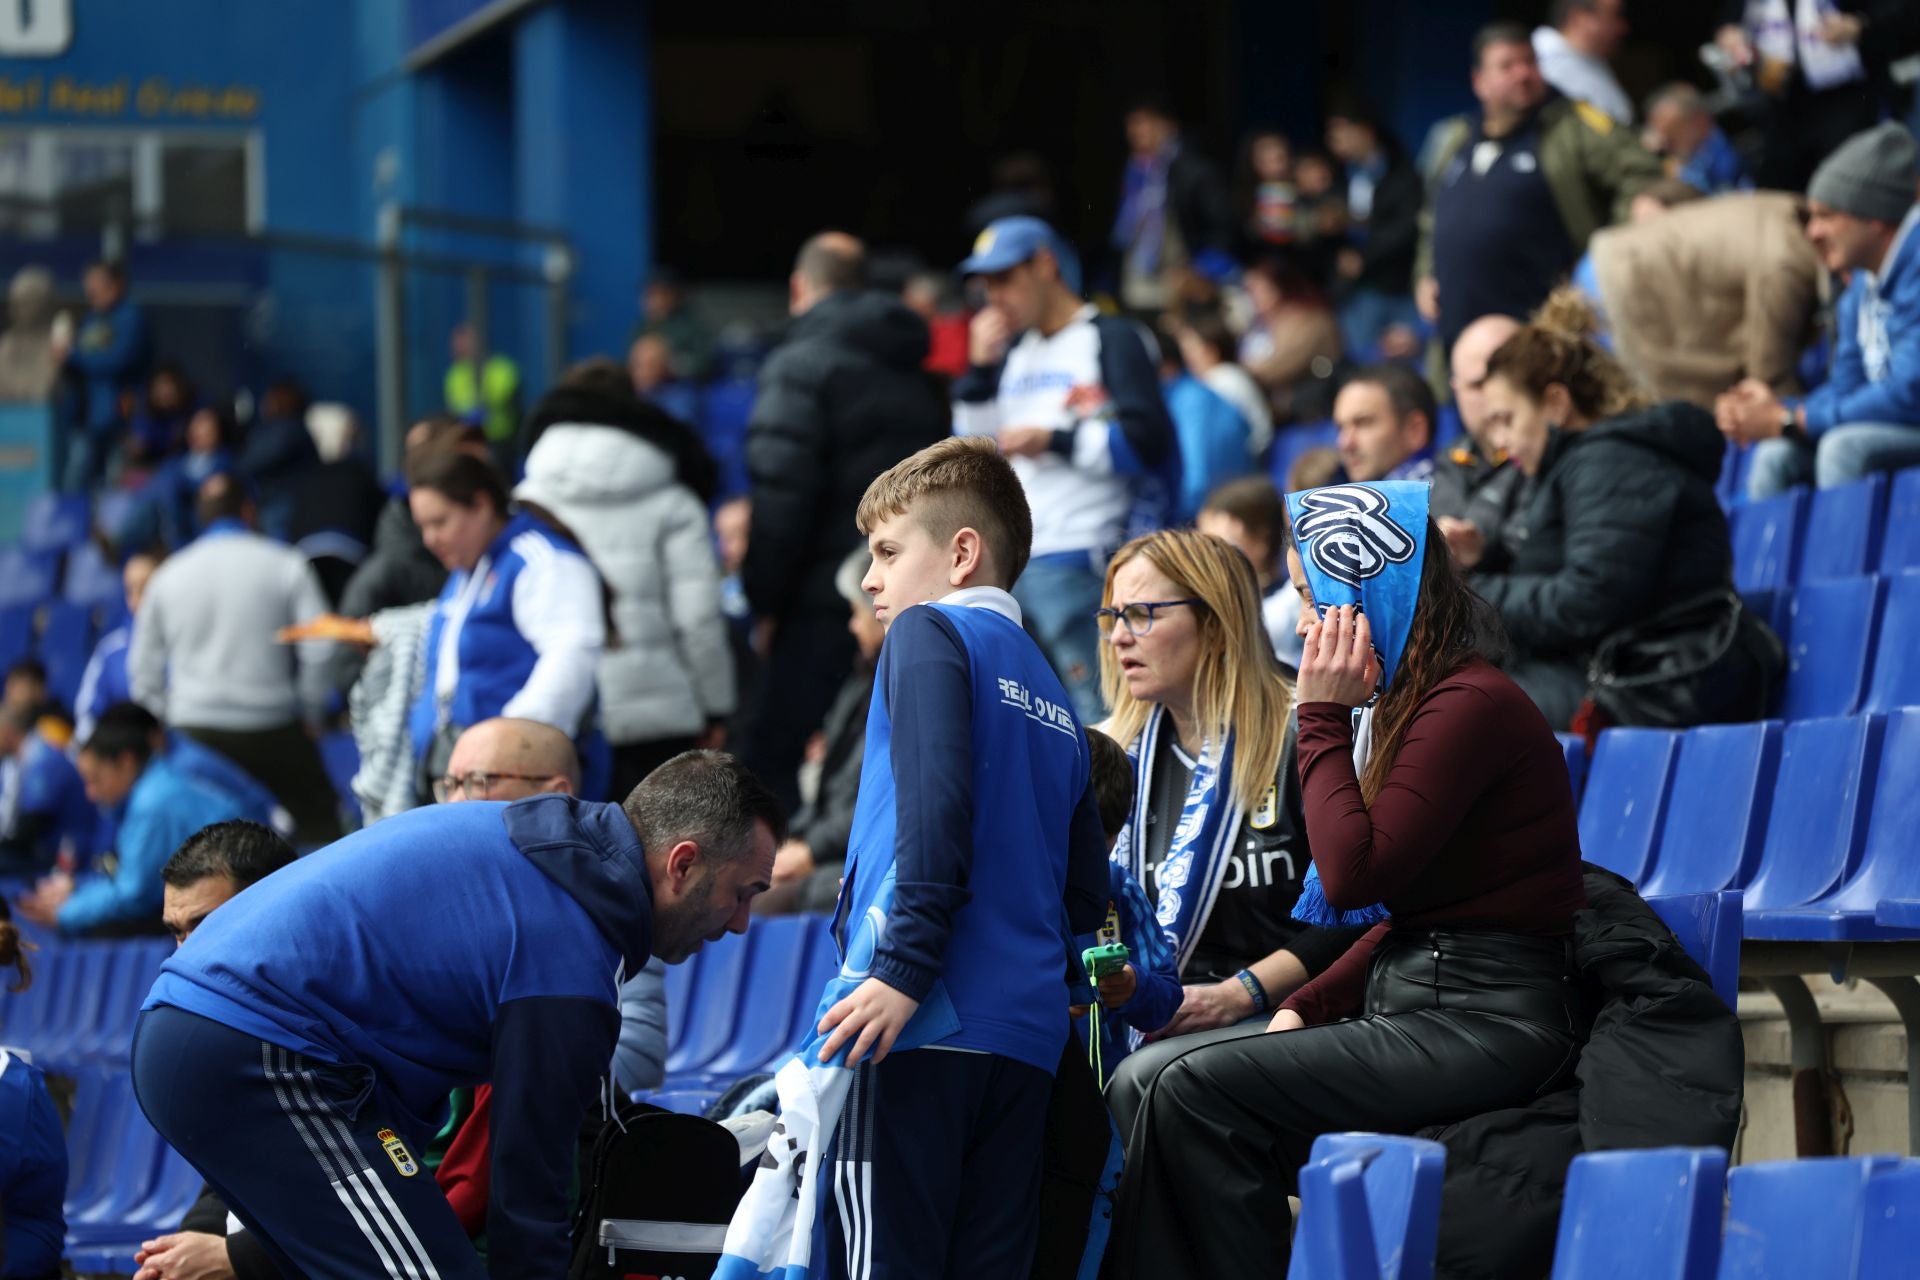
(520, 624)
(33, 1151)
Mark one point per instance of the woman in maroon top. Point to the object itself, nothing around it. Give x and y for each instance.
(1462, 825)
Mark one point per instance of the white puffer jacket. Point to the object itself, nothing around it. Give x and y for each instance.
(671, 671)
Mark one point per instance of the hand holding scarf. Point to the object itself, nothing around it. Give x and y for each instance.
(1363, 547)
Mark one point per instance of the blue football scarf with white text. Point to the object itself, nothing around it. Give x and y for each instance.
(1364, 545)
(779, 1228)
(1187, 883)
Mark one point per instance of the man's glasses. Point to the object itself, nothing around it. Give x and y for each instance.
(1138, 617)
(477, 785)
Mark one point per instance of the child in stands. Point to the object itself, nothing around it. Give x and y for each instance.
(976, 803)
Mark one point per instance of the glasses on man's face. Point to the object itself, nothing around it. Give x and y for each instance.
(476, 785)
(1137, 617)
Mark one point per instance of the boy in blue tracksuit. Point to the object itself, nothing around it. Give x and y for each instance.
(975, 794)
(300, 1046)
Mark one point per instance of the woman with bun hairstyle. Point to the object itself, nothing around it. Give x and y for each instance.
(33, 1147)
(1619, 524)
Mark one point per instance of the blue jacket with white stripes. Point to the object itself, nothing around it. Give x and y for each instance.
(448, 946)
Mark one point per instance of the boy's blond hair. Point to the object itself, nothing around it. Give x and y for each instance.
(960, 483)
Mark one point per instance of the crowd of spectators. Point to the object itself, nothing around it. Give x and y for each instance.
(1560, 323)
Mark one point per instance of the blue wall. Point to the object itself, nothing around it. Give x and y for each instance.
(545, 118)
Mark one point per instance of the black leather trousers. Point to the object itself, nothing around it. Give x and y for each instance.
(1457, 1023)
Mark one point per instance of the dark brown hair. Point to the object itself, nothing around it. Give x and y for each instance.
(1255, 503)
(13, 950)
(458, 477)
(1112, 782)
(1452, 626)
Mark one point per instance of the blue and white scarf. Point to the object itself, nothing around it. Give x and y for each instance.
(779, 1228)
(1362, 544)
(1188, 882)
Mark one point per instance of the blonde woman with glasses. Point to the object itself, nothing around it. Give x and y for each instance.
(1216, 835)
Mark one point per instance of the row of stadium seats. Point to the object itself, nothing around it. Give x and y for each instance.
(1811, 822)
(1810, 535)
(1370, 1206)
(81, 575)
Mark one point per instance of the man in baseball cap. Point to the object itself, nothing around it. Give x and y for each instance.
(1073, 399)
(1866, 416)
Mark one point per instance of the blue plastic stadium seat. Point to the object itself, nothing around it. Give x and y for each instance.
(1334, 1237)
(102, 1104)
(1844, 528)
(66, 642)
(1887, 867)
(1766, 541)
(1817, 823)
(26, 577)
(1766, 606)
(1896, 663)
(1716, 808)
(1797, 1219)
(724, 412)
(775, 970)
(1736, 465)
(54, 522)
(712, 1007)
(1388, 1215)
(821, 961)
(688, 1102)
(1900, 544)
(1290, 442)
(1625, 799)
(1890, 1232)
(1708, 926)
(91, 579)
(16, 632)
(1574, 747)
(113, 511)
(1830, 632)
(1652, 1215)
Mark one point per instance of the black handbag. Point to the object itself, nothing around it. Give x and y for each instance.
(1706, 660)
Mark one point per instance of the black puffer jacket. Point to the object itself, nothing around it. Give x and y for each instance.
(844, 399)
(1622, 522)
(1663, 1066)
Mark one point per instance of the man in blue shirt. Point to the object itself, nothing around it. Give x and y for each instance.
(109, 353)
(154, 806)
(1680, 127)
(43, 803)
(300, 1047)
(975, 802)
(1866, 416)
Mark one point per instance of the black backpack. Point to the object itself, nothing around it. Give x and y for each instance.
(659, 1191)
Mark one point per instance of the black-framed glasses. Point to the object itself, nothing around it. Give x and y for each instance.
(477, 785)
(1139, 615)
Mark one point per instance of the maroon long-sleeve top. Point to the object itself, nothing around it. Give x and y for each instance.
(1474, 828)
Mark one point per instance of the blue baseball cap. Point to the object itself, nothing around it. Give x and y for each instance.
(1008, 242)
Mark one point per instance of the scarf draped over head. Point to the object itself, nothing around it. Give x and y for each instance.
(1362, 545)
